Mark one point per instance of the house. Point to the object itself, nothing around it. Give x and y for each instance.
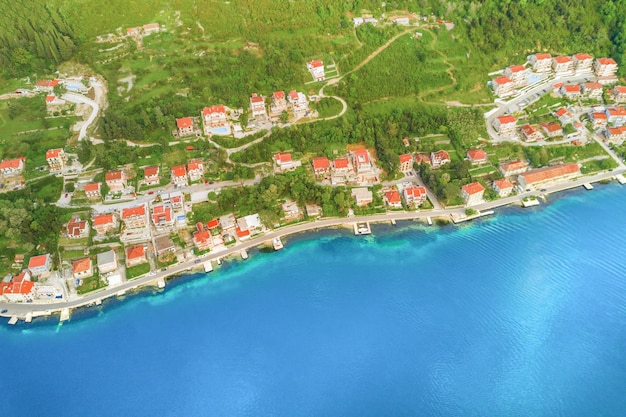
(14, 166)
(552, 129)
(503, 187)
(176, 199)
(133, 31)
(195, 170)
(321, 165)
(56, 158)
(107, 262)
(46, 85)
(313, 210)
(570, 92)
(421, 158)
(472, 193)
(517, 74)
(151, 28)
(135, 217)
(316, 68)
(531, 134)
(505, 125)
(92, 190)
(540, 62)
(363, 196)
(184, 126)
(477, 156)
(564, 116)
(503, 87)
(227, 222)
(556, 88)
(103, 223)
(257, 106)
(616, 115)
(40, 266)
(298, 103)
(598, 120)
(362, 161)
(248, 225)
(213, 224)
(135, 255)
(392, 199)
(291, 210)
(52, 100)
(439, 158)
(342, 166)
(541, 177)
(82, 268)
(508, 169)
(19, 289)
(619, 94)
(605, 68)
(151, 175)
(562, 65)
(214, 116)
(178, 175)
(615, 135)
(284, 162)
(400, 20)
(279, 103)
(77, 229)
(116, 180)
(582, 62)
(406, 163)
(592, 90)
(414, 195)
(202, 238)
(162, 215)
(163, 245)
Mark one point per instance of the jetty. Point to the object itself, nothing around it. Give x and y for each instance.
(244, 254)
(362, 228)
(161, 283)
(277, 243)
(13, 320)
(621, 179)
(393, 222)
(530, 203)
(65, 314)
(208, 266)
(29, 317)
(98, 301)
(429, 220)
(588, 186)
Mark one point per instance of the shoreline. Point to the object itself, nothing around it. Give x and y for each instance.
(29, 311)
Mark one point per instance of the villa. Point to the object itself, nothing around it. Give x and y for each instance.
(582, 62)
(135, 255)
(616, 115)
(619, 94)
(552, 129)
(163, 245)
(284, 162)
(162, 216)
(9, 167)
(505, 125)
(342, 166)
(540, 62)
(421, 158)
(185, 126)
(564, 116)
(107, 262)
(321, 165)
(517, 74)
(562, 65)
(313, 210)
(472, 193)
(508, 169)
(316, 68)
(257, 106)
(362, 162)
(298, 103)
(543, 176)
(213, 117)
(19, 289)
(598, 120)
(93, 190)
(406, 163)
(414, 195)
(392, 199)
(291, 210)
(40, 266)
(477, 156)
(151, 175)
(605, 69)
(363, 196)
(52, 100)
(615, 135)
(439, 158)
(570, 92)
(178, 175)
(279, 103)
(503, 187)
(592, 90)
(135, 217)
(103, 223)
(82, 268)
(46, 85)
(77, 229)
(195, 170)
(116, 180)
(56, 159)
(503, 87)
(202, 238)
(531, 134)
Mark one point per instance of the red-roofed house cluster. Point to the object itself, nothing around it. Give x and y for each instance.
(182, 175)
(357, 167)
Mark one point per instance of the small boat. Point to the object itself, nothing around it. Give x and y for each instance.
(278, 244)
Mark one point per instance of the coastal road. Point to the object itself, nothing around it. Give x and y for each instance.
(20, 310)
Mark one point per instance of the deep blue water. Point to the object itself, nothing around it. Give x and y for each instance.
(521, 314)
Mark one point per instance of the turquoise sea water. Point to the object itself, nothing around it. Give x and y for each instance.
(520, 314)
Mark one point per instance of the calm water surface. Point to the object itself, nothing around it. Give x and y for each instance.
(520, 314)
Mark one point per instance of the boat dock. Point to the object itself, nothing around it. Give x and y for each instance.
(621, 179)
(161, 283)
(393, 222)
(98, 301)
(277, 243)
(208, 266)
(65, 314)
(244, 254)
(362, 228)
(29, 317)
(530, 203)
(13, 320)
(429, 220)
(588, 186)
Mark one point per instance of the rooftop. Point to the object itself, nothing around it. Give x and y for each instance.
(542, 174)
(184, 123)
(473, 188)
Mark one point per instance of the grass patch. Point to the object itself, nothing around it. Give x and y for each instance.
(137, 270)
(90, 284)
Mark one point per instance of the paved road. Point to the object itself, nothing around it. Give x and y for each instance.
(21, 310)
(95, 109)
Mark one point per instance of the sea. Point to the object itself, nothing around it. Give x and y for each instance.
(522, 313)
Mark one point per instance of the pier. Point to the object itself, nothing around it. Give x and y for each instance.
(208, 266)
(65, 315)
(588, 186)
(621, 179)
(13, 320)
(161, 283)
(430, 221)
(277, 243)
(362, 228)
(393, 222)
(530, 203)
(244, 254)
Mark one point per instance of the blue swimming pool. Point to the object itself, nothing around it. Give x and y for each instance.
(220, 130)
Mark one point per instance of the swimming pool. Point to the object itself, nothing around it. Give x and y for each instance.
(220, 130)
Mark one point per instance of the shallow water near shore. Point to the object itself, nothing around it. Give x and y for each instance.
(522, 313)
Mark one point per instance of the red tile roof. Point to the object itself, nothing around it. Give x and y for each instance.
(102, 219)
(184, 123)
(598, 115)
(620, 89)
(477, 155)
(179, 171)
(556, 171)
(50, 99)
(133, 211)
(593, 86)
(562, 59)
(37, 261)
(242, 233)
(194, 165)
(201, 236)
(502, 80)
(441, 155)
(254, 98)
(293, 94)
(582, 56)
(572, 88)
(617, 130)
(47, 83)
(213, 109)
(617, 111)
(393, 197)
(507, 118)
(321, 163)
(551, 127)
(341, 163)
(473, 188)
(405, 158)
(316, 63)
(282, 158)
(23, 287)
(503, 184)
(419, 158)
(53, 153)
(213, 224)
(541, 57)
(20, 277)
(92, 186)
(513, 166)
(135, 252)
(361, 156)
(11, 163)
(76, 227)
(607, 61)
(557, 86)
(81, 265)
(528, 130)
(113, 175)
(517, 68)
(161, 213)
(150, 171)
(416, 191)
(562, 111)
(278, 95)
